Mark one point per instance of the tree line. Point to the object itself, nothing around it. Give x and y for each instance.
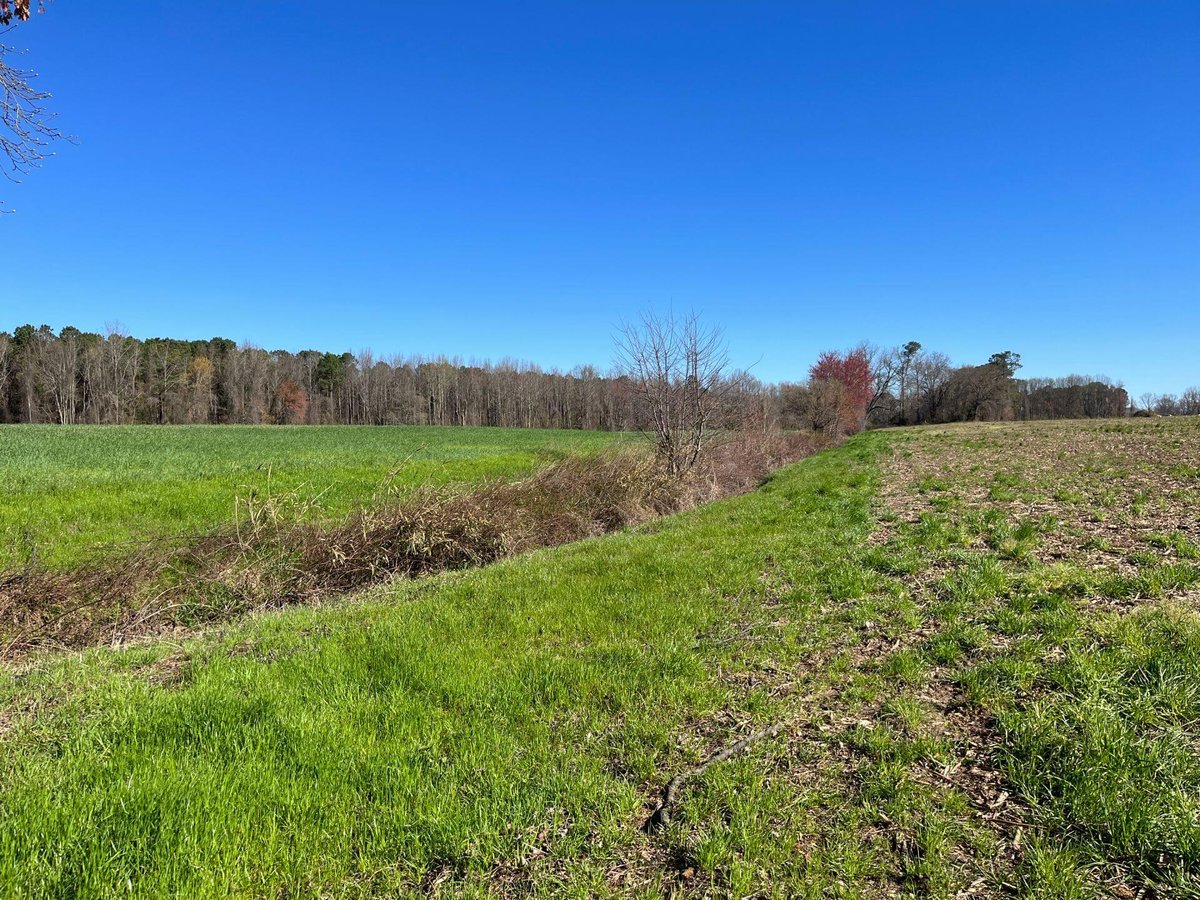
(910, 385)
(74, 376)
(80, 377)
(1186, 404)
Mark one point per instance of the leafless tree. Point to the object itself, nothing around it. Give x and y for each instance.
(676, 366)
(893, 371)
(166, 372)
(5, 354)
(26, 124)
(927, 380)
(56, 374)
(886, 373)
(1189, 402)
(116, 375)
(827, 406)
(1167, 405)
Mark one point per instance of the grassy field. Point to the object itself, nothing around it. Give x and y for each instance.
(980, 646)
(69, 490)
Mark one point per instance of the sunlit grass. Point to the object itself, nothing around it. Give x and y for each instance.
(981, 693)
(446, 724)
(69, 490)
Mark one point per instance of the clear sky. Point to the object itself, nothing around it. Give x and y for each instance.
(511, 179)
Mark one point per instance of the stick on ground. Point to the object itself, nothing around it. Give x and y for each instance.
(661, 817)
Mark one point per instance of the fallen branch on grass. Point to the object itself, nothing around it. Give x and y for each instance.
(661, 817)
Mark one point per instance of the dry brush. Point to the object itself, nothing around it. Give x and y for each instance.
(275, 555)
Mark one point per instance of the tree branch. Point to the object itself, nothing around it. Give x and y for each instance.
(661, 817)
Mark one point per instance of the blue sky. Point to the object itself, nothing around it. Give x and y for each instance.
(510, 180)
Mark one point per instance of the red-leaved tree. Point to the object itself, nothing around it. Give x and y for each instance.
(291, 404)
(841, 386)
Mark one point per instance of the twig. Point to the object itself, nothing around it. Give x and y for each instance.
(661, 817)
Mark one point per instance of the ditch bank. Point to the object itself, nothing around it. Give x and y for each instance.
(272, 557)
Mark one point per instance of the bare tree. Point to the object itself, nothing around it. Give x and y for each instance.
(56, 373)
(1167, 405)
(199, 381)
(26, 124)
(166, 374)
(827, 406)
(928, 376)
(886, 372)
(5, 363)
(120, 355)
(676, 367)
(1189, 402)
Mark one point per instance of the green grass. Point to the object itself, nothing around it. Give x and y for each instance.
(452, 724)
(994, 695)
(1107, 750)
(69, 490)
(1088, 673)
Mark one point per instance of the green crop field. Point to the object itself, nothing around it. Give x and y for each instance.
(69, 490)
(979, 647)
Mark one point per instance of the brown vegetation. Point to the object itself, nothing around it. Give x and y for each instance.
(676, 367)
(1113, 490)
(273, 557)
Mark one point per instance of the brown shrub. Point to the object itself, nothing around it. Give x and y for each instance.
(274, 556)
